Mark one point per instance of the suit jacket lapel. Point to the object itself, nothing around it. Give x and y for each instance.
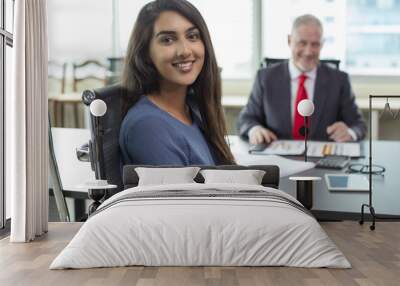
(321, 91)
(284, 110)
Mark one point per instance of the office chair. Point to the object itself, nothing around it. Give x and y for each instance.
(103, 149)
(56, 181)
(268, 62)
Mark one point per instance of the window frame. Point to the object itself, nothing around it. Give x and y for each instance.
(6, 39)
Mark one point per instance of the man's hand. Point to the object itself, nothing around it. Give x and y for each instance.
(259, 134)
(339, 132)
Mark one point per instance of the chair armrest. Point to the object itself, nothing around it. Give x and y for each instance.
(83, 153)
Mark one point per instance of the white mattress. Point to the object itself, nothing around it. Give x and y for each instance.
(190, 230)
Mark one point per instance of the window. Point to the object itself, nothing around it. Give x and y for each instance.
(6, 41)
(97, 24)
(364, 35)
(79, 29)
(232, 34)
(9, 12)
(373, 36)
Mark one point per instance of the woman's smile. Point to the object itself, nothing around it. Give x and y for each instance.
(184, 66)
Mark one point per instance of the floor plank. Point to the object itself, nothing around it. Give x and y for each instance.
(374, 255)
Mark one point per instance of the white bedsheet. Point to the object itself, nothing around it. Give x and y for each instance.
(200, 231)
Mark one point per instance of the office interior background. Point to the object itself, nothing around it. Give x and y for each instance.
(363, 34)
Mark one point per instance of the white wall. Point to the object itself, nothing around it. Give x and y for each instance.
(79, 29)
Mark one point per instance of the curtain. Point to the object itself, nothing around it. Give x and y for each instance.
(26, 123)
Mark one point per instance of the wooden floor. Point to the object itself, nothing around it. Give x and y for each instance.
(375, 256)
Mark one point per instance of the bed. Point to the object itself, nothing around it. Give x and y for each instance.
(201, 224)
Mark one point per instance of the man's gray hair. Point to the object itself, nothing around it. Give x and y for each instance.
(306, 19)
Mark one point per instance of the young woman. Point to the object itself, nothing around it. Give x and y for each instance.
(173, 111)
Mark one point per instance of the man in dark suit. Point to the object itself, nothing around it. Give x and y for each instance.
(271, 112)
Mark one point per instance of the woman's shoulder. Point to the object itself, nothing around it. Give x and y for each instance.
(143, 109)
(143, 115)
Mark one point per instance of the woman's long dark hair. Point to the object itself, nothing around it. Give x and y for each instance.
(140, 76)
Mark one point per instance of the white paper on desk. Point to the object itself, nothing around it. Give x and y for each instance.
(320, 148)
(283, 147)
(287, 166)
(315, 148)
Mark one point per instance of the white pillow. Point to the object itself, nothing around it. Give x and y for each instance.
(164, 176)
(248, 177)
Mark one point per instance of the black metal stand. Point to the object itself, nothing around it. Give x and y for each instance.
(304, 193)
(372, 212)
(305, 137)
(98, 145)
(369, 205)
(304, 190)
(96, 195)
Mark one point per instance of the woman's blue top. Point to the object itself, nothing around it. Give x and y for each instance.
(151, 136)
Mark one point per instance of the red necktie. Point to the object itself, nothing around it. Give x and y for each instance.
(298, 119)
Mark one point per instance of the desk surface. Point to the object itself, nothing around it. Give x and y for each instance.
(72, 171)
(386, 190)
